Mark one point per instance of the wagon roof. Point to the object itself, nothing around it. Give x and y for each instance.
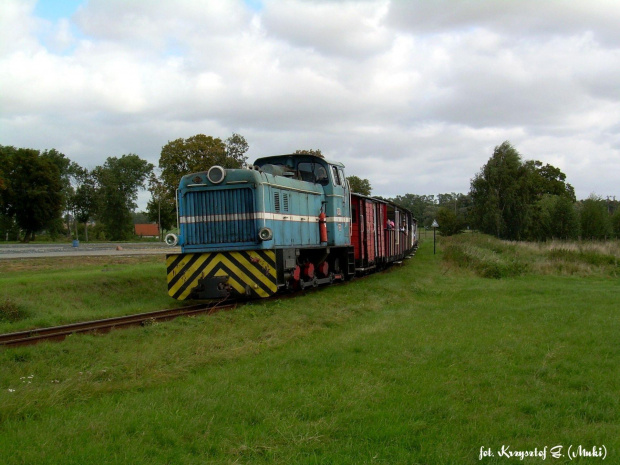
(384, 201)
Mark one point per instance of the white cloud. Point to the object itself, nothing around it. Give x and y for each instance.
(523, 20)
(352, 30)
(412, 95)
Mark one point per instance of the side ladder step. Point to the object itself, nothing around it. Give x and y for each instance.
(351, 262)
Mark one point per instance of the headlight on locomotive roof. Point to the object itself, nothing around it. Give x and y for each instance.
(265, 234)
(216, 174)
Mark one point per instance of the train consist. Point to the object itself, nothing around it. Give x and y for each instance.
(287, 222)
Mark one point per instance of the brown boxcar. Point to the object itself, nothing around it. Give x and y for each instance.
(381, 232)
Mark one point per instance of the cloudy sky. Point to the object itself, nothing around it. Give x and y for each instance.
(412, 95)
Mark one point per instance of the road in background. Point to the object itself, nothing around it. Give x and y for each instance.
(8, 251)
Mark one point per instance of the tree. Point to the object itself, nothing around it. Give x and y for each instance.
(423, 207)
(161, 208)
(595, 221)
(83, 200)
(564, 219)
(139, 218)
(199, 153)
(66, 168)
(358, 185)
(7, 222)
(615, 223)
(499, 194)
(236, 148)
(33, 194)
(550, 180)
(118, 182)
(5, 159)
(508, 195)
(553, 217)
(459, 203)
(449, 223)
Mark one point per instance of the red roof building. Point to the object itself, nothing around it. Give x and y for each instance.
(146, 230)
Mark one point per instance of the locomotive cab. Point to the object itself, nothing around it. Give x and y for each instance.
(335, 201)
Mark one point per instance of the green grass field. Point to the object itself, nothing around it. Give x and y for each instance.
(55, 291)
(424, 364)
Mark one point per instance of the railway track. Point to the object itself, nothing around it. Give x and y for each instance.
(58, 333)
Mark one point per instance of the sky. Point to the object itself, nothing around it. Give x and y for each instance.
(413, 95)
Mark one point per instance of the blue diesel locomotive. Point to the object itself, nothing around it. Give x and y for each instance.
(285, 222)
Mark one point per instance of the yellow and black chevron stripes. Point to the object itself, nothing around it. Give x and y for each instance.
(255, 270)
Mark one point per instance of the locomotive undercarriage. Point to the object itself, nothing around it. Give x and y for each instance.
(253, 274)
(314, 266)
(256, 274)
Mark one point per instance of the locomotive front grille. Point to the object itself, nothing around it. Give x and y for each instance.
(218, 217)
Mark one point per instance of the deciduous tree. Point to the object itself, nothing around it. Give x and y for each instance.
(423, 207)
(449, 223)
(595, 221)
(199, 153)
(83, 199)
(33, 194)
(161, 208)
(508, 195)
(236, 148)
(615, 223)
(118, 181)
(564, 219)
(359, 185)
(499, 194)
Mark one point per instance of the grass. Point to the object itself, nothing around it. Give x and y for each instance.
(492, 258)
(55, 291)
(424, 364)
(11, 311)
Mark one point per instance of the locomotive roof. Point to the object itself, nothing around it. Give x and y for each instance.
(296, 156)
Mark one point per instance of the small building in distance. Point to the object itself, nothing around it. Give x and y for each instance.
(146, 230)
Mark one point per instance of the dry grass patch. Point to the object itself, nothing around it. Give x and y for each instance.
(489, 257)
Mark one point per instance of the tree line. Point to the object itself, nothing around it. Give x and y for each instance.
(510, 198)
(46, 191)
(516, 199)
(519, 199)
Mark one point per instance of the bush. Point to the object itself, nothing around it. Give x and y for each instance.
(10, 311)
(449, 223)
(490, 259)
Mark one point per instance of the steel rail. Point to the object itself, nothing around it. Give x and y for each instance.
(60, 332)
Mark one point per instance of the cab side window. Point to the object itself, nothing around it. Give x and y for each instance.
(336, 176)
(345, 182)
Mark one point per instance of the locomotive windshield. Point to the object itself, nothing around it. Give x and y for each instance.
(300, 167)
(313, 172)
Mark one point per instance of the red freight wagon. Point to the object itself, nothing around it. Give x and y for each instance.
(381, 232)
